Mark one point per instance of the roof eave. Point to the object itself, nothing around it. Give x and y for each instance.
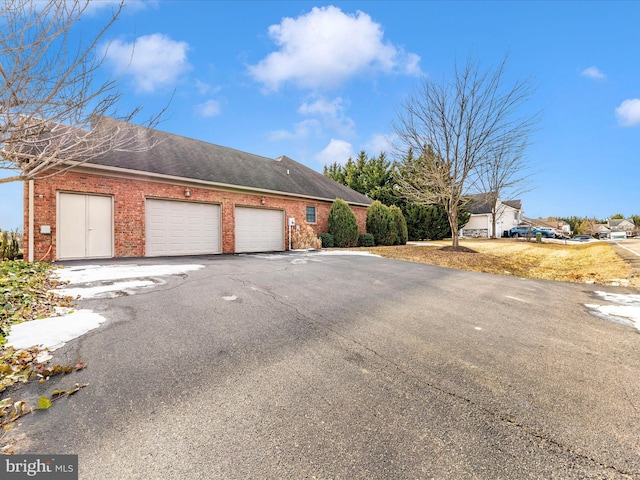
(194, 181)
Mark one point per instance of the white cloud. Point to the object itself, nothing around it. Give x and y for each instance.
(337, 151)
(129, 5)
(301, 130)
(331, 113)
(628, 113)
(593, 72)
(205, 89)
(327, 115)
(322, 107)
(210, 108)
(153, 60)
(325, 47)
(379, 143)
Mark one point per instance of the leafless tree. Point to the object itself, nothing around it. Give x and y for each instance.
(53, 112)
(505, 172)
(451, 128)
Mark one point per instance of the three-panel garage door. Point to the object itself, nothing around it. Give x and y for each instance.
(259, 230)
(181, 228)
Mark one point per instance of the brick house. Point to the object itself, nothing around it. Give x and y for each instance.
(181, 197)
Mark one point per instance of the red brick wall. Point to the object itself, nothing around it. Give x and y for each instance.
(129, 204)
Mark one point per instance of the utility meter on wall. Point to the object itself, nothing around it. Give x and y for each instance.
(292, 221)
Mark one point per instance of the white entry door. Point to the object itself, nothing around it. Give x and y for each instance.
(85, 226)
(259, 230)
(182, 228)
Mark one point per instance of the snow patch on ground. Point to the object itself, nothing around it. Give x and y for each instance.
(625, 308)
(97, 273)
(108, 291)
(53, 332)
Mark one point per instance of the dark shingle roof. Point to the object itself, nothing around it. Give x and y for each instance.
(517, 204)
(617, 221)
(187, 158)
(479, 204)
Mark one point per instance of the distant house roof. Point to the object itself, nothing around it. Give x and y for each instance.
(516, 204)
(480, 205)
(618, 221)
(552, 223)
(186, 158)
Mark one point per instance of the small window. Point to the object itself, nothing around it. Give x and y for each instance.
(311, 214)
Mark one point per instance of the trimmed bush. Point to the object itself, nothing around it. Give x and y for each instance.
(381, 224)
(326, 239)
(366, 240)
(343, 225)
(402, 233)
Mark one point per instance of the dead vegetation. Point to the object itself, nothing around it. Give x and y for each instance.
(304, 238)
(593, 263)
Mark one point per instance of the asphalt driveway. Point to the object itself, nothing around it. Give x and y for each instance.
(351, 367)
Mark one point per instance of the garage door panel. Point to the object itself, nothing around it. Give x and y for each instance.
(259, 230)
(99, 217)
(182, 228)
(85, 226)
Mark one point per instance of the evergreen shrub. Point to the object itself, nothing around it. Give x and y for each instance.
(343, 225)
(327, 240)
(381, 224)
(366, 240)
(402, 233)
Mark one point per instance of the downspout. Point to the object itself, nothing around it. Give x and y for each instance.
(30, 221)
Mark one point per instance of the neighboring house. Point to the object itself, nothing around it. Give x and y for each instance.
(480, 224)
(559, 225)
(622, 225)
(182, 197)
(600, 230)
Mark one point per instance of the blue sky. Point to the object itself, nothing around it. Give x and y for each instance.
(321, 81)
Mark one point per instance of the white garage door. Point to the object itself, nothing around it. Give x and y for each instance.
(259, 230)
(85, 226)
(181, 228)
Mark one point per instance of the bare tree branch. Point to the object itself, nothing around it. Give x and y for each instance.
(52, 110)
(452, 128)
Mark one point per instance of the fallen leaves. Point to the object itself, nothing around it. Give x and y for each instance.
(25, 293)
(12, 411)
(18, 366)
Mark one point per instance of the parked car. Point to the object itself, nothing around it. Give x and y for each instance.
(545, 232)
(520, 231)
(582, 238)
(528, 231)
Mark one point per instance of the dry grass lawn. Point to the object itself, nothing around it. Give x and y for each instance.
(595, 263)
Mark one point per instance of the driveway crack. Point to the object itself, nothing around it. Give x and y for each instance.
(509, 420)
